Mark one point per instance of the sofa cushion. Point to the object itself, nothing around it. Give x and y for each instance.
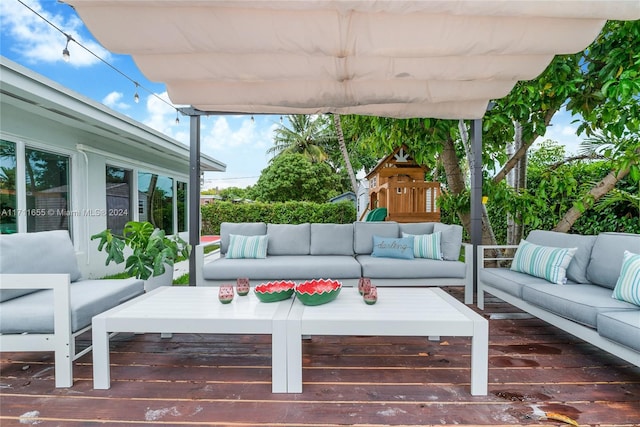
(393, 247)
(622, 327)
(241, 228)
(417, 227)
(547, 262)
(45, 252)
(426, 245)
(577, 270)
(289, 239)
(507, 280)
(363, 233)
(451, 241)
(628, 284)
(606, 257)
(247, 246)
(416, 268)
(580, 303)
(284, 267)
(33, 313)
(331, 239)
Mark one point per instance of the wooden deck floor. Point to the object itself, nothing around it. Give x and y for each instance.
(220, 380)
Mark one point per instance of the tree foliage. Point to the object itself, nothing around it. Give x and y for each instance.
(294, 177)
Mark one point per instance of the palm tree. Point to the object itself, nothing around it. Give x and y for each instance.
(308, 135)
(345, 154)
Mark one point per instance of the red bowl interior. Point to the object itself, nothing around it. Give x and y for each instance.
(318, 286)
(278, 286)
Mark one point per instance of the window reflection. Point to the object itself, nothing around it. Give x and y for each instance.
(183, 202)
(118, 182)
(47, 179)
(155, 200)
(8, 204)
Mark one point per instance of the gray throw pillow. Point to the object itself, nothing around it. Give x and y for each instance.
(451, 241)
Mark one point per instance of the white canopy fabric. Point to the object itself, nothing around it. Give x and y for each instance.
(439, 59)
(431, 58)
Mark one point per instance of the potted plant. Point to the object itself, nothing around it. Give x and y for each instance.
(152, 250)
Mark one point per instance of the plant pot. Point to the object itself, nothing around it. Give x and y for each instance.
(165, 279)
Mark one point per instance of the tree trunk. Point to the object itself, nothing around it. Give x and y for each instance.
(456, 184)
(522, 151)
(600, 189)
(516, 179)
(345, 153)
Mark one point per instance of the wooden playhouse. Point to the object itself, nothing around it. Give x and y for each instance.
(398, 184)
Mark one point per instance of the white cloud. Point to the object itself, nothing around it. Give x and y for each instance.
(113, 100)
(222, 137)
(161, 116)
(563, 131)
(37, 41)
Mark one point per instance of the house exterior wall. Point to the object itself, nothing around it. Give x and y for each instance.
(86, 213)
(37, 116)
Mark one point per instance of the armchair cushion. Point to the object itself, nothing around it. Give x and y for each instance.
(45, 252)
(33, 313)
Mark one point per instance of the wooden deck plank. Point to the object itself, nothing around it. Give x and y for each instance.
(224, 380)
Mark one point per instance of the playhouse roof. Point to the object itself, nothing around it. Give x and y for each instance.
(399, 158)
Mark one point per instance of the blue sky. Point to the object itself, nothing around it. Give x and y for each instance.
(234, 140)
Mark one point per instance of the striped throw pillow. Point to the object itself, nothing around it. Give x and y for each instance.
(426, 245)
(628, 284)
(247, 246)
(546, 262)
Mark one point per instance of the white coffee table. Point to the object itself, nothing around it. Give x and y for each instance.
(399, 312)
(193, 310)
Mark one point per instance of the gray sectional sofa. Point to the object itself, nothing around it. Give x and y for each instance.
(45, 304)
(584, 306)
(341, 252)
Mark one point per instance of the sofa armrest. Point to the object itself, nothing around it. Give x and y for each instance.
(493, 254)
(60, 342)
(199, 251)
(467, 251)
(60, 283)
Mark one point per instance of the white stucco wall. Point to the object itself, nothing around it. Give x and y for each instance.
(40, 114)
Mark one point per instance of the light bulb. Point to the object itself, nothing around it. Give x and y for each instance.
(136, 97)
(66, 56)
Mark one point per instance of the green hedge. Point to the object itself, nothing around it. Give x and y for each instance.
(275, 213)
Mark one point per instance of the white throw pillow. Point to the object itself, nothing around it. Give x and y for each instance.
(628, 284)
(247, 246)
(426, 245)
(546, 262)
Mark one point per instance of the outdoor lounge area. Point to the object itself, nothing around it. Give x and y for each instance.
(205, 379)
(449, 345)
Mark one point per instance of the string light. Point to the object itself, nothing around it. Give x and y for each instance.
(252, 119)
(136, 97)
(67, 56)
(65, 52)
(177, 118)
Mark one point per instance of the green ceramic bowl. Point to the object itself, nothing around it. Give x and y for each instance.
(316, 292)
(274, 291)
